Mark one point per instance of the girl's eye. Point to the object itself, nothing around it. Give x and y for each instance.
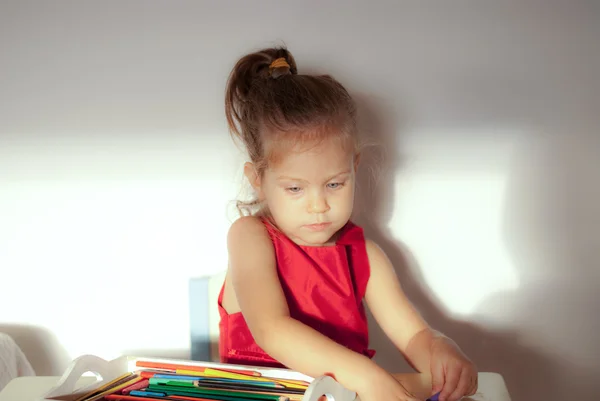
(294, 190)
(334, 185)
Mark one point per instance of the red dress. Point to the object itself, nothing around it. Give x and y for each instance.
(324, 288)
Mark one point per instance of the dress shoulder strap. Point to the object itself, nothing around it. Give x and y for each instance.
(351, 234)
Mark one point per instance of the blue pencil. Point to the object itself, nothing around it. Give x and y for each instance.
(434, 397)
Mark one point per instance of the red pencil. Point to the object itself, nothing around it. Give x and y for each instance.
(119, 397)
(135, 386)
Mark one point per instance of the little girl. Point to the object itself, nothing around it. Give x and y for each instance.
(299, 269)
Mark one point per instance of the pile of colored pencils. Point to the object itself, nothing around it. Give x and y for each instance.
(164, 381)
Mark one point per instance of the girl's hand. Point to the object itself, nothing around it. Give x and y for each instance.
(380, 385)
(452, 372)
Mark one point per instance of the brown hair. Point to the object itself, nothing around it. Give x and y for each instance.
(270, 107)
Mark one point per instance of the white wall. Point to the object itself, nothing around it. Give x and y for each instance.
(116, 169)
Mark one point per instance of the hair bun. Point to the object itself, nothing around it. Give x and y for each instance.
(279, 67)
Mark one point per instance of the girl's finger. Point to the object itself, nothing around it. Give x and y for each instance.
(437, 377)
(453, 373)
(462, 386)
(474, 384)
(410, 397)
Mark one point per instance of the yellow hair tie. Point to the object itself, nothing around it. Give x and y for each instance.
(280, 62)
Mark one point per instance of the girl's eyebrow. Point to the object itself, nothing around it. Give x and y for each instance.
(345, 172)
(287, 178)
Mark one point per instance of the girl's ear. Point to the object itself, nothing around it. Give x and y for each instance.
(252, 176)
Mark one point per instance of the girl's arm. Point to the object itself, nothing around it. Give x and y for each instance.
(394, 312)
(259, 295)
(428, 351)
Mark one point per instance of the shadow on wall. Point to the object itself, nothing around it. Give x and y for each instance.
(552, 232)
(528, 371)
(45, 354)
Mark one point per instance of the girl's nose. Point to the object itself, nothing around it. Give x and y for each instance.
(318, 204)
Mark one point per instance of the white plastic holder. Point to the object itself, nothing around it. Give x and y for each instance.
(105, 372)
(327, 386)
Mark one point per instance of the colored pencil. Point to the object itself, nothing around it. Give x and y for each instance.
(281, 393)
(241, 392)
(216, 394)
(154, 371)
(216, 380)
(246, 387)
(144, 393)
(135, 386)
(170, 382)
(155, 381)
(121, 397)
(174, 366)
(227, 375)
(147, 374)
(118, 397)
(218, 389)
(216, 373)
(210, 379)
(186, 398)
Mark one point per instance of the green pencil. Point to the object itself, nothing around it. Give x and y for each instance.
(222, 395)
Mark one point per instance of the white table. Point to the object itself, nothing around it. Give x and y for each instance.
(491, 388)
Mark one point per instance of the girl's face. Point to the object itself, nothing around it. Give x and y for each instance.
(310, 192)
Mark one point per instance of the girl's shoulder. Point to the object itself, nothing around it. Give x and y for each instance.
(246, 222)
(254, 225)
(249, 230)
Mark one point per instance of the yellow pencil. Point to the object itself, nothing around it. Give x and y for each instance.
(286, 383)
(228, 375)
